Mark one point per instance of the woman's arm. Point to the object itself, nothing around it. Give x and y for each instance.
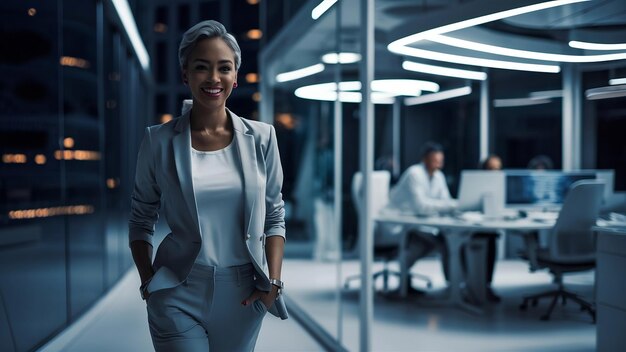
(274, 250)
(144, 210)
(274, 221)
(142, 255)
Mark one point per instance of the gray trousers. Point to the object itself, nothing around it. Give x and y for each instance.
(205, 313)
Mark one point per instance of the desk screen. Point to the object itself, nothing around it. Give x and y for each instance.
(540, 188)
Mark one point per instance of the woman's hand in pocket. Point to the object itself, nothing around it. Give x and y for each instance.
(267, 298)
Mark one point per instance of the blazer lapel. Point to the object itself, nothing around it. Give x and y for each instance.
(247, 157)
(181, 144)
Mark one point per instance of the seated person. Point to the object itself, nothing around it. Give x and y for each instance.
(541, 162)
(422, 190)
(492, 162)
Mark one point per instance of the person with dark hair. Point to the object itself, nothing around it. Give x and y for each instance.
(216, 178)
(492, 162)
(422, 188)
(541, 162)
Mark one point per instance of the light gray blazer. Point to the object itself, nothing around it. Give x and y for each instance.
(163, 184)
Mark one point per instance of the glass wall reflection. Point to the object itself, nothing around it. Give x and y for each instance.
(72, 98)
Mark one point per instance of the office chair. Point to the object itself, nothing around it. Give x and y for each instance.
(571, 246)
(382, 251)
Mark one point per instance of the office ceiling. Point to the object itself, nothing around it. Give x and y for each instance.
(544, 31)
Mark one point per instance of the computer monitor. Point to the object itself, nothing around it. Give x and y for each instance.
(475, 184)
(525, 188)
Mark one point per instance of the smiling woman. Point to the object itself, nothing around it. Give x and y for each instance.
(217, 274)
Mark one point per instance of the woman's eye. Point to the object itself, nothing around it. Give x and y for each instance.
(200, 67)
(225, 69)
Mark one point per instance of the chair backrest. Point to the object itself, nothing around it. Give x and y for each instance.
(572, 235)
(379, 189)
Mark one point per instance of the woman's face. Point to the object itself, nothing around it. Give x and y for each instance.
(210, 73)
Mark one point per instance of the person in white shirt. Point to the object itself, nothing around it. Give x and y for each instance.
(422, 188)
(422, 191)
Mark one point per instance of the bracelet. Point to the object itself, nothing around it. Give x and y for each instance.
(278, 284)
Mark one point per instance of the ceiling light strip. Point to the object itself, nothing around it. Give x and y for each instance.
(546, 94)
(596, 46)
(341, 58)
(509, 103)
(605, 92)
(297, 74)
(524, 54)
(128, 21)
(443, 71)
(617, 81)
(478, 21)
(384, 91)
(320, 9)
(443, 95)
(469, 60)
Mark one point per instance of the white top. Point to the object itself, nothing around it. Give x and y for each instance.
(218, 189)
(417, 193)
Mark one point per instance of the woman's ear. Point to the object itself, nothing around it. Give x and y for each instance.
(184, 77)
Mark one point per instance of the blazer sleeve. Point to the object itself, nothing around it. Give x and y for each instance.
(274, 204)
(146, 196)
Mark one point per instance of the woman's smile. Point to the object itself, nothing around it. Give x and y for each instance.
(212, 92)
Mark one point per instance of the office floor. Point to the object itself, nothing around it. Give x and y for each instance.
(412, 324)
(423, 324)
(118, 324)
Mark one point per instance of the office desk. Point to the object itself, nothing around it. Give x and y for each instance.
(610, 286)
(457, 232)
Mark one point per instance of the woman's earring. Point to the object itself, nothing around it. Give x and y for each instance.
(235, 85)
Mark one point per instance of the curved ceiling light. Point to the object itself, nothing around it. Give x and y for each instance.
(596, 46)
(296, 74)
(401, 46)
(383, 91)
(524, 54)
(443, 71)
(341, 58)
(443, 95)
(475, 61)
(323, 6)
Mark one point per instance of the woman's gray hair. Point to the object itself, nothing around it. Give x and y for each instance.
(202, 30)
